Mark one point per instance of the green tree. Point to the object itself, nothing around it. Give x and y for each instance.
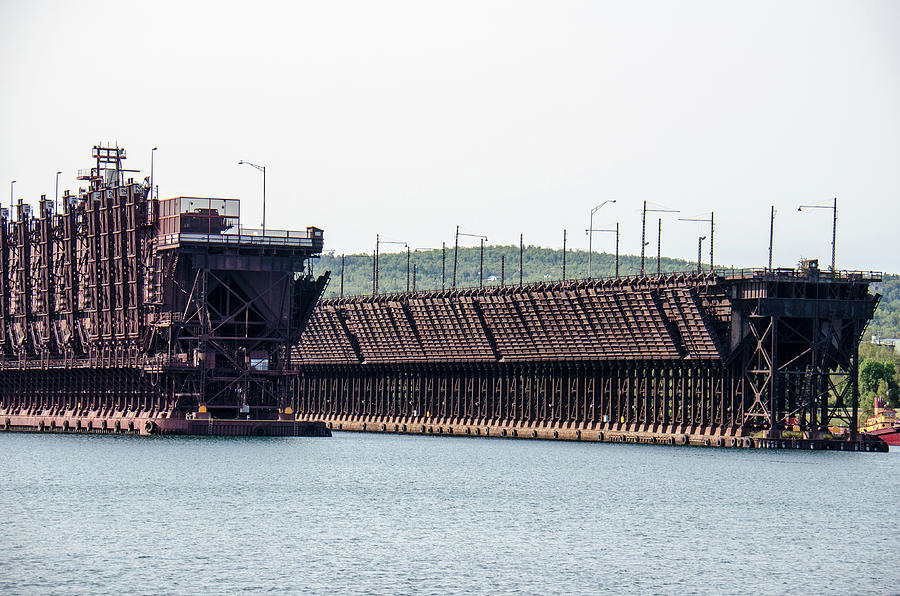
(877, 379)
(870, 372)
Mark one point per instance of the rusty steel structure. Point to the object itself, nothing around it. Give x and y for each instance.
(759, 358)
(120, 312)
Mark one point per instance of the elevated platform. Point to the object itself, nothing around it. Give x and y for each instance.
(752, 353)
(120, 307)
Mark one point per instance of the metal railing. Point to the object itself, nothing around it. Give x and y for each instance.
(245, 238)
(241, 231)
(801, 274)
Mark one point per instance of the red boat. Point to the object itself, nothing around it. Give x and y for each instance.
(884, 424)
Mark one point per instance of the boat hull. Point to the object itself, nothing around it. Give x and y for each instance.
(891, 436)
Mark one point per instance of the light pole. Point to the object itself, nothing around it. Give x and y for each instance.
(616, 232)
(521, 258)
(152, 154)
(343, 258)
(481, 265)
(712, 232)
(564, 257)
(700, 252)
(56, 198)
(11, 200)
(591, 231)
(644, 229)
(378, 243)
(659, 249)
(263, 170)
(771, 234)
(833, 228)
(456, 250)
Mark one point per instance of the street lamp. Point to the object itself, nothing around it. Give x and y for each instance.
(833, 228)
(564, 256)
(712, 231)
(378, 243)
(456, 250)
(56, 198)
(152, 154)
(616, 232)
(644, 230)
(263, 170)
(700, 253)
(591, 231)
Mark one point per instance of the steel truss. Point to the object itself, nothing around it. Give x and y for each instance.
(103, 317)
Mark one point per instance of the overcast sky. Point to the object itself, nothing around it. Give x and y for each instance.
(409, 118)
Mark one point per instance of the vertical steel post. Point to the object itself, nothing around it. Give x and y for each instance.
(834, 236)
(659, 248)
(773, 372)
(854, 387)
(700, 253)
(771, 234)
(564, 256)
(590, 241)
(407, 268)
(455, 253)
(56, 197)
(617, 249)
(152, 154)
(521, 256)
(502, 270)
(443, 264)
(643, 235)
(481, 265)
(712, 242)
(414, 278)
(342, 276)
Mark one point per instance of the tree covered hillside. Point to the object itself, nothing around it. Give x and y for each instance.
(539, 264)
(886, 323)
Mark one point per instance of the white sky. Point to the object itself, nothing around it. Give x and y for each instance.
(408, 118)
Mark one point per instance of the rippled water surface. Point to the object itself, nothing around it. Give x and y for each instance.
(375, 514)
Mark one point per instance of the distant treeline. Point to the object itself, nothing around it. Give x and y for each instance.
(501, 265)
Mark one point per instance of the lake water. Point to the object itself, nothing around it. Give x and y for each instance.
(377, 514)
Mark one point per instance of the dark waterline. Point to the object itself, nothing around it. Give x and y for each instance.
(376, 514)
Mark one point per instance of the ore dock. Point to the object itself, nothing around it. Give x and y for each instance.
(738, 359)
(122, 313)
